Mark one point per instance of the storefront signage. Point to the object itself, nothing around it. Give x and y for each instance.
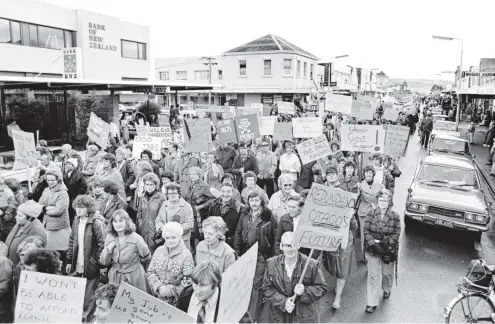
(96, 40)
(72, 63)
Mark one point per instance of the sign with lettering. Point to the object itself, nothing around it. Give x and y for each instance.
(164, 133)
(285, 107)
(258, 106)
(197, 135)
(314, 149)
(338, 104)
(47, 298)
(141, 143)
(247, 127)
(282, 131)
(72, 63)
(98, 130)
(390, 114)
(267, 124)
(237, 283)
(132, 305)
(24, 150)
(249, 111)
(96, 39)
(361, 108)
(308, 127)
(396, 139)
(226, 131)
(362, 138)
(325, 219)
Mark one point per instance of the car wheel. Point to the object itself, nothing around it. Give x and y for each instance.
(408, 222)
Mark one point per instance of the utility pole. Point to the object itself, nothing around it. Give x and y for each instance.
(209, 63)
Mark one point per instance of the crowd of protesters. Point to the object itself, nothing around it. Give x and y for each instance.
(170, 225)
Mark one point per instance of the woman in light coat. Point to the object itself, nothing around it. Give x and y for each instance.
(55, 202)
(171, 265)
(213, 247)
(148, 209)
(125, 252)
(289, 161)
(213, 172)
(91, 161)
(367, 199)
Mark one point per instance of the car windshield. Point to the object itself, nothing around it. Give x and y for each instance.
(445, 125)
(455, 177)
(7, 162)
(444, 145)
(438, 118)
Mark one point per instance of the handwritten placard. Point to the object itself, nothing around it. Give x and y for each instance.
(141, 143)
(258, 106)
(98, 130)
(267, 110)
(164, 133)
(282, 131)
(396, 139)
(47, 298)
(197, 135)
(314, 149)
(338, 104)
(325, 219)
(285, 107)
(226, 131)
(362, 138)
(308, 127)
(237, 283)
(132, 305)
(24, 150)
(361, 108)
(267, 124)
(247, 127)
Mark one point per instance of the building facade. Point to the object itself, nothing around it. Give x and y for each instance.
(266, 70)
(33, 34)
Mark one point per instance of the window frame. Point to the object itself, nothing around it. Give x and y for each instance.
(298, 69)
(220, 74)
(144, 52)
(305, 70)
(177, 75)
(311, 71)
(265, 68)
(196, 72)
(167, 74)
(245, 68)
(291, 67)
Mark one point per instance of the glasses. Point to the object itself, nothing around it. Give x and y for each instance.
(287, 246)
(287, 185)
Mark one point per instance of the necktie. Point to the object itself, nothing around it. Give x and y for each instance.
(201, 314)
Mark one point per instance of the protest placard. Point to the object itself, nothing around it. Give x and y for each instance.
(247, 127)
(24, 150)
(314, 149)
(197, 135)
(132, 305)
(285, 107)
(226, 131)
(237, 283)
(362, 138)
(164, 133)
(141, 143)
(308, 127)
(98, 130)
(267, 124)
(325, 219)
(282, 131)
(338, 104)
(243, 111)
(266, 110)
(258, 106)
(390, 114)
(361, 108)
(47, 298)
(396, 139)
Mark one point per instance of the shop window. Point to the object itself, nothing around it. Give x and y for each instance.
(133, 50)
(220, 74)
(33, 35)
(267, 67)
(25, 33)
(50, 37)
(201, 75)
(242, 67)
(181, 75)
(240, 100)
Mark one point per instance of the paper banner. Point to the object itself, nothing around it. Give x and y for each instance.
(197, 135)
(267, 125)
(282, 131)
(24, 150)
(226, 131)
(98, 130)
(396, 139)
(141, 143)
(338, 104)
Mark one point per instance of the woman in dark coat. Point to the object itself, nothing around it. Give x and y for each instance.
(113, 201)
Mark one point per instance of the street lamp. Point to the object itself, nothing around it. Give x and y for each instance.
(458, 115)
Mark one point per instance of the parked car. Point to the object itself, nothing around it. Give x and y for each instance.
(448, 145)
(437, 117)
(446, 192)
(7, 166)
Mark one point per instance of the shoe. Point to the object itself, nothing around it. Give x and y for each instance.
(336, 305)
(386, 294)
(370, 309)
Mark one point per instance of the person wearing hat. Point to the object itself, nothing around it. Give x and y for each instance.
(27, 224)
(267, 161)
(76, 184)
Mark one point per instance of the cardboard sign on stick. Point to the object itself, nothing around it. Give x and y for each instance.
(247, 127)
(308, 127)
(282, 131)
(226, 131)
(338, 104)
(314, 149)
(98, 130)
(197, 135)
(396, 139)
(362, 138)
(24, 150)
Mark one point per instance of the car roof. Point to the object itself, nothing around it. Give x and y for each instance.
(450, 137)
(449, 161)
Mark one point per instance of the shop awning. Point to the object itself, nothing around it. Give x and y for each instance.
(8, 82)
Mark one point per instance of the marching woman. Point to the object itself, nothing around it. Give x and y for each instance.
(342, 262)
(381, 237)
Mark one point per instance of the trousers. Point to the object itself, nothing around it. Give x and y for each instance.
(380, 277)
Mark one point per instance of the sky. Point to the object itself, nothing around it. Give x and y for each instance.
(394, 36)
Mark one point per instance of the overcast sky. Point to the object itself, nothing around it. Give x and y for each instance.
(394, 36)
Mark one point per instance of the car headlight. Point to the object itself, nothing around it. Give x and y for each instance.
(418, 207)
(475, 218)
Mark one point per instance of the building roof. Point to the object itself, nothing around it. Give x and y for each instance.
(271, 43)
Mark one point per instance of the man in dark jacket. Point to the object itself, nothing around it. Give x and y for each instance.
(225, 156)
(228, 208)
(243, 163)
(256, 225)
(426, 128)
(76, 184)
(281, 285)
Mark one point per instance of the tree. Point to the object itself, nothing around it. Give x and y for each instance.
(149, 108)
(437, 88)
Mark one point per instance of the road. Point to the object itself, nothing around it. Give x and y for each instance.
(431, 260)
